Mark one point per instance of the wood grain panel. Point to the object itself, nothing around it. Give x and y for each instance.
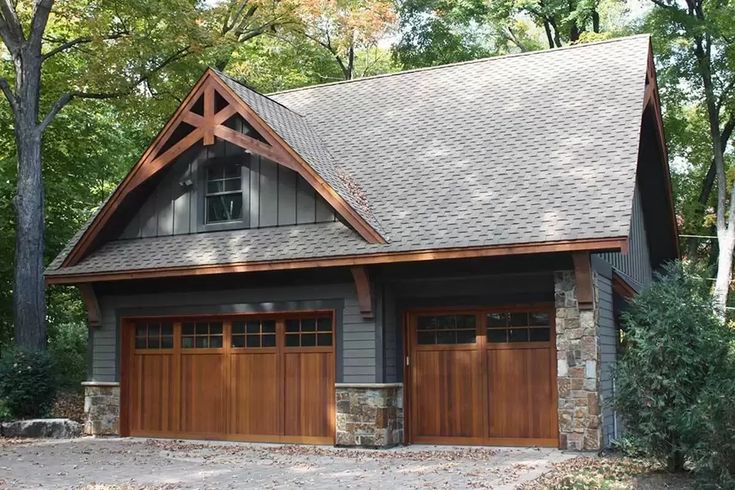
(447, 393)
(254, 388)
(309, 394)
(520, 394)
(203, 401)
(152, 404)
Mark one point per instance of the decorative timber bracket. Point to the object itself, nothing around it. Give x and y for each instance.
(583, 280)
(364, 291)
(94, 316)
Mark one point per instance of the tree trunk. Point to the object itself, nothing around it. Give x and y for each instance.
(724, 272)
(29, 299)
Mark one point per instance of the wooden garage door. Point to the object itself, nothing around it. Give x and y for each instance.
(483, 377)
(240, 378)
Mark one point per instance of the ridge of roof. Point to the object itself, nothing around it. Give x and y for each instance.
(248, 87)
(452, 65)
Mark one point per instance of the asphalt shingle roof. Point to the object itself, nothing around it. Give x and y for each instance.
(526, 148)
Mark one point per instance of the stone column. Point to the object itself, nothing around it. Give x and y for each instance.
(101, 408)
(369, 415)
(578, 379)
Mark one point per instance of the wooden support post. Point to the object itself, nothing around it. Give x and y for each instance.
(208, 115)
(94, 315)
(583, 279)
(364, 293)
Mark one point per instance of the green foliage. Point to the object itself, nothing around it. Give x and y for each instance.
(68, 339)
(674, 344)
(27, 385)
(5, 414)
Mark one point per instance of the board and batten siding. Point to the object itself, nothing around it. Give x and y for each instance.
(636, 264)
(355, 336)
(273, 196)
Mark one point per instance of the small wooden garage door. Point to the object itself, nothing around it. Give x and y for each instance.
(483, 377)
(242, 378)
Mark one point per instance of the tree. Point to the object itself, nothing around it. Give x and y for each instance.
(344, 28)
(101, 42)
(697, 58)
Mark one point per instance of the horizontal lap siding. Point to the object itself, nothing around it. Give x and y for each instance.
(357, 336)
(607, 344)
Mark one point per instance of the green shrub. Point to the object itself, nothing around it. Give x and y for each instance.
(27, 384)
(674, 347)
(68, 349)
(713, 419)
(5, 414)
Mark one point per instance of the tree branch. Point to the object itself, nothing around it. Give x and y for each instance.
(41, 12)
(664, 4)
(67, 97)
(5, 87)
(66, 45)
(11, 22)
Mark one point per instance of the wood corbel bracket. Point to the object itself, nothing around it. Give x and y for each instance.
(583, 280)
(364, 291)
(94, 315)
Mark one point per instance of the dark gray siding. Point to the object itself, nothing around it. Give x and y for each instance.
(636, 264)
(607, 345)
(274, 196)
(477, 291)
(356, 337)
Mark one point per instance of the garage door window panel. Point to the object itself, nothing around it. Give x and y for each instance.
(518, 327)
(446, 329)
(308, 332)
(154, 335)
(253, 334)
(202, 335)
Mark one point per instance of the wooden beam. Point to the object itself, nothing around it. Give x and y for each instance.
(251, 144)
(364, 291)
(160, 162)
(208, 114)
(622, 288)
(583, 280)
(94, 314)
(612, 244)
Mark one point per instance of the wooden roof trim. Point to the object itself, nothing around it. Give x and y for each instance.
(622, 288)
(652, 99)
(129, 182)
(293, 160)
(206, 127)
(589, 245)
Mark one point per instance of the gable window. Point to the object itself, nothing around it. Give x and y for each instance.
(223, 199)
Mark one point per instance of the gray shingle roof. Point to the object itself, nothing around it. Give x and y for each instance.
(525, 148)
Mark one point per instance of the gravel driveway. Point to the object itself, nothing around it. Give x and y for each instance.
(164, 464)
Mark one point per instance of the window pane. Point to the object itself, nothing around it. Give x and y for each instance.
(325, 325)
(187, 329)
(215, 328)
(466, 336)
(154, 329)
(167, 329)
(238, 327)
(497, 320)
(518, 335)
(167, 342)
(140, 330)
(292, 325)
(518, 319)
(232, 171)
(540, 334)
(187, 342)
(154, 342)
(292, 340)
(201, 342)
(238, 341)
(324, 339)
(425, 338)
(226, 207)
(253, 340)
(202, 328)
(140, 342)
(308, 340)
(253, 326)
(308, 325)
(215, 342)
(538, 318)
(269, 326)
(497, 335)
(215, 186)
(269, 340)
(445, 337)
(232, 184)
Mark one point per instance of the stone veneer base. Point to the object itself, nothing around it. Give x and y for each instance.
(101, 408)
(369, 415)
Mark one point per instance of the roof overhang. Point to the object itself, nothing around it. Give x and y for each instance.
(589, 245)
